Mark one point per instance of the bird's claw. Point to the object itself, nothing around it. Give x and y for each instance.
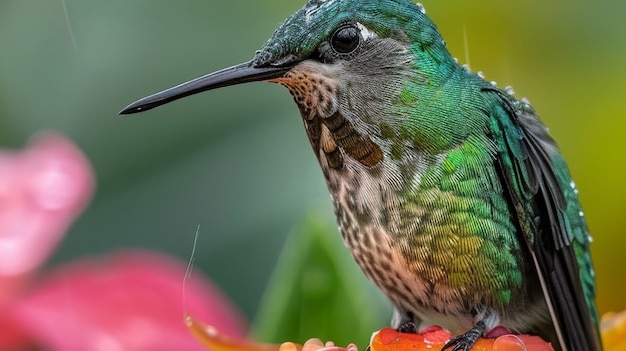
(407, 327)
(465, 341)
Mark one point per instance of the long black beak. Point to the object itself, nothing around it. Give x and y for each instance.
(242, 73)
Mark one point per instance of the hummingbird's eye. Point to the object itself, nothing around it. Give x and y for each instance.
(346, 39)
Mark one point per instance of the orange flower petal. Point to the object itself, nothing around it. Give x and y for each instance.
(213, 340)
(433, 339)
(388, 339)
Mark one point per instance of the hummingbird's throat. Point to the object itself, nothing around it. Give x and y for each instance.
(315, 94)
(330, 133)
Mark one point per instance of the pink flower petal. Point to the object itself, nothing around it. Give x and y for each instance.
(42, 190)
(130, 301)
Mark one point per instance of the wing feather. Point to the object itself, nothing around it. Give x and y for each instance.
(538, 185)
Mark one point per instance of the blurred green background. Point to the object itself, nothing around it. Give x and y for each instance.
(236, 161)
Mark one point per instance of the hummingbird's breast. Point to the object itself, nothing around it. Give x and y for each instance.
(375, 228)
(432, 233)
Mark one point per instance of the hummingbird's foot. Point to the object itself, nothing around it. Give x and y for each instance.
(403, 321)
(407, 327)
(464, 342)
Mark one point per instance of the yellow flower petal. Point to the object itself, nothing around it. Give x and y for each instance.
(614, 331)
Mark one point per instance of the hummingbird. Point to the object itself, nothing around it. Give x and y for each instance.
(449, 191)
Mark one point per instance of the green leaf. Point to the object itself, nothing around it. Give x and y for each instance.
(317, 290)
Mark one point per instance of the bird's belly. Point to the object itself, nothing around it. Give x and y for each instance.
(431, 293)
(431, 302)
(417, 287)
(414, 285)
(442, 256)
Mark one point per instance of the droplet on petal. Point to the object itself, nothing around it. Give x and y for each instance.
(312, 345)
(508, 343)
(290, 346)
(317, 345)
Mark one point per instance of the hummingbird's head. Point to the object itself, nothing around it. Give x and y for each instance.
(351, 66)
